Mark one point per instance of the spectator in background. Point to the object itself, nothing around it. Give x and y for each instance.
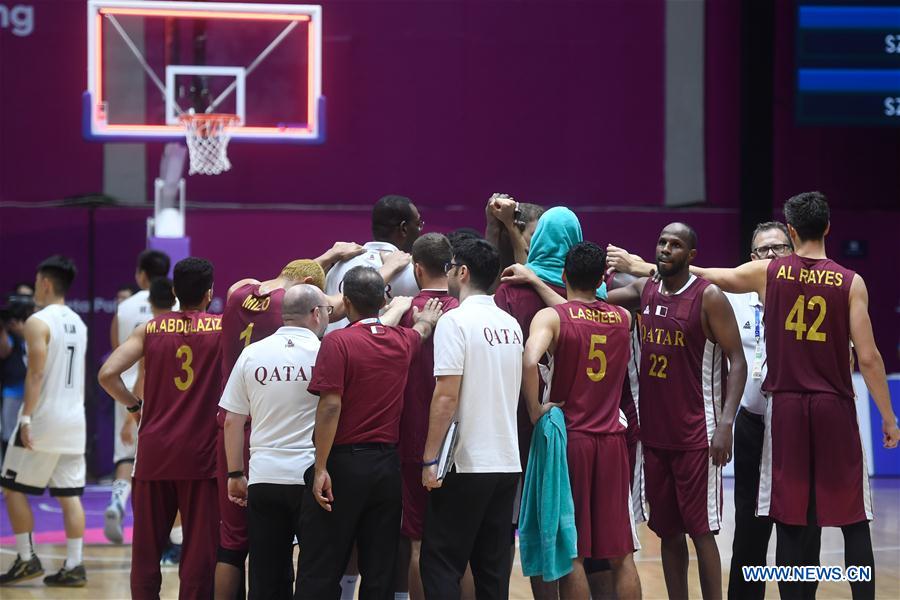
(12, 360)
(24, 288)
(124, 293)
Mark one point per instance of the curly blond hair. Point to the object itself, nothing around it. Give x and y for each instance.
(300, 269)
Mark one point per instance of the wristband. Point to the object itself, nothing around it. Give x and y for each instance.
(235, 474)
(24, 419)
(136, 407)
(430, 463)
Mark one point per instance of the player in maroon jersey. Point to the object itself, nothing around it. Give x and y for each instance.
(813, 469)
(589, 341)
(175, 466)
(430, 253)
(686, 326)
(557, 231)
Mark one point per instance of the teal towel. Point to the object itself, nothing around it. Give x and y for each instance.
(548, 540)
(557, 231)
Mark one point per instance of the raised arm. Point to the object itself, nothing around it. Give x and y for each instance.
(541, 338)
(748, 277)
(392, 263)
(628, 297)
(520, 274)
(719, 317)
(37, 339)
(624, 262)
(394, 311)
(239, 284)
(425, 320)
(871, 364)
(339, 252)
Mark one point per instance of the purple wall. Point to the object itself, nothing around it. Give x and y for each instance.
(555, 102)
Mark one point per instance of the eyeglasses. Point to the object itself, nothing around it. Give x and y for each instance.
(451, 265)
(325, 307)
(776, 249)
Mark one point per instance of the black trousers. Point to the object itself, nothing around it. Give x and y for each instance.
(365, 481)
(468, 521)
(273, 514)
(752, 533)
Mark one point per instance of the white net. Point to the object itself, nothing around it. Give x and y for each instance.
(207, 140)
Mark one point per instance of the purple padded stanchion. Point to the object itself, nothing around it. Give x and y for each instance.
(176, 248)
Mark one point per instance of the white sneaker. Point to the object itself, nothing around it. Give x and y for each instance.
(112, 524)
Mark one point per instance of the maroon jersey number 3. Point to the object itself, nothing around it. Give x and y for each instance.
(178, 424)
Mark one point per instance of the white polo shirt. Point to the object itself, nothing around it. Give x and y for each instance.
(269, 382)
(403, 284)
(483, 343)
(748, 311)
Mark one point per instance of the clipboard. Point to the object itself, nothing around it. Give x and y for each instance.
(448, 448)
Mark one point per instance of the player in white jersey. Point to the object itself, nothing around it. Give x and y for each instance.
(47, 446)
(396, 224)
(131, 313)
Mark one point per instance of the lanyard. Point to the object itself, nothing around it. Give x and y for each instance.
(756, 331)
(756, 369)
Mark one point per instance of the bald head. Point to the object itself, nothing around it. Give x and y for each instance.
(298, 307)
(684, 231)
(675, 249)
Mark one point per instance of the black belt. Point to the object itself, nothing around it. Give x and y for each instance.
(352, 448)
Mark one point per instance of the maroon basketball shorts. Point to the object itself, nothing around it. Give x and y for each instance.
(233, 525)
(812, 443)
(600, 477)
(415, 501)
(684, 490)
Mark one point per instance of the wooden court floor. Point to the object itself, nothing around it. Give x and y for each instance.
(108, 566)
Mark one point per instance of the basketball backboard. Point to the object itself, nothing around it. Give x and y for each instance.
(151, 61)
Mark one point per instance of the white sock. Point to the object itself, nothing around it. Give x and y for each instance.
(401, 595)
(348, 586)
(120, 492)
(176, 536)
(74, 547)
(23, 545)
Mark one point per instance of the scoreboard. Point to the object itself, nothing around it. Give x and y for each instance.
(848, 63)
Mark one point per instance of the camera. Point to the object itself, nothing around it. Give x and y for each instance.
(16, 307)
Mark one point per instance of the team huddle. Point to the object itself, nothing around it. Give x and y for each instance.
(405, 409)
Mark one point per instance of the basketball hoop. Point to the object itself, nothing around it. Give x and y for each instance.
(207, 137)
